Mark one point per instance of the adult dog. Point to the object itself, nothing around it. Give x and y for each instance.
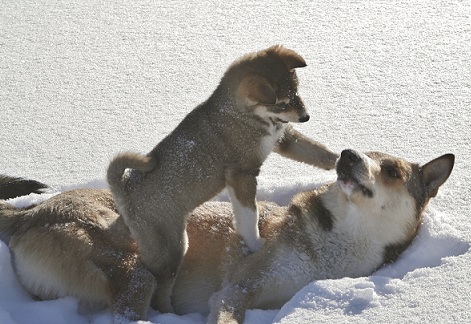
(76, 244)
(221, 144)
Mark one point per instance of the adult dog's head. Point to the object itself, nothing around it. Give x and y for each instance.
(265, 84)
(391, 191)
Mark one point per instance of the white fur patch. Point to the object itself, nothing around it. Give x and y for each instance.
(266, 114)
(246, 222)
(347, 187)
(42, 282)
(371, 166)
(284, 100)
(374, 220)
(268, 142)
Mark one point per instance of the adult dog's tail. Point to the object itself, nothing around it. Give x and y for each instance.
(11, 217)
(11, 187)
(116, 176)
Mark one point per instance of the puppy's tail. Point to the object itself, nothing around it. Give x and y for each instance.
(11, 187)
(116, 176)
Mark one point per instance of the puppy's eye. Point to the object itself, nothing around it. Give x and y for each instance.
(282, 106)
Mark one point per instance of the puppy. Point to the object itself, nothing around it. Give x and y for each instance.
(350, 227)
(221, 144)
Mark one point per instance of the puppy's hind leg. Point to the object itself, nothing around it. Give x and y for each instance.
(242, 189)
(162, 300)
(158, 227)
(131, 293)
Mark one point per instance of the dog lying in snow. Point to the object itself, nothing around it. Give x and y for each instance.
(76, 244)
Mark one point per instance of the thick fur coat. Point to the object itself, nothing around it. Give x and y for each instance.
(77, 244)
(221, 144)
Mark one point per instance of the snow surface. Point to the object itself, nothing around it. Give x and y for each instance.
(81, 81)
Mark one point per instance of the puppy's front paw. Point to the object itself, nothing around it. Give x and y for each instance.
(330, 161)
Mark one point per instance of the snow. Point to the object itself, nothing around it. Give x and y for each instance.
(85, 80)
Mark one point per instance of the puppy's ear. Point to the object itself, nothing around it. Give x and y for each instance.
(290, 58)
(257, 89)
(436, 172)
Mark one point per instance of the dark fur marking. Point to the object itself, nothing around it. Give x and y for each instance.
(314, 208)
(11, 187)
(295, 211)
(322, 214)
(366, 191)
(416, 188)
(393, 251)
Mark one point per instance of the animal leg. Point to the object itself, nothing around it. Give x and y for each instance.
(162, 243)
(131, 293)
(298, 147)
(230, 304)
(242, 188)
(162, 299)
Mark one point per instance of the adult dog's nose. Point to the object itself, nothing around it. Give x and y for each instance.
(350, 156)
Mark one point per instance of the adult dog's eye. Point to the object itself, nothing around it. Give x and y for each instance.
(392, 172)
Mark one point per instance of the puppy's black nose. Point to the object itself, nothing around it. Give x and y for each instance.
(304, 119)
(350, 156)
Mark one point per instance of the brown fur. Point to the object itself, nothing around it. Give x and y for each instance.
(76, 243)
(221, 143)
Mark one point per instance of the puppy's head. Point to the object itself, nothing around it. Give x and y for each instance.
(388, 188)
(266, 84)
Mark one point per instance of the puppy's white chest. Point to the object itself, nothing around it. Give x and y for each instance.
(268, 142)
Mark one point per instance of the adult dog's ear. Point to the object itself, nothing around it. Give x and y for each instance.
(290, 58)
(436, 172)
(257, 89)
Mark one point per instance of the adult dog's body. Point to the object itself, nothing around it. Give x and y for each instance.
(221, 143)
(76, 244)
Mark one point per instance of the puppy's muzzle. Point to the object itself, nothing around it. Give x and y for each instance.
(304, 119)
